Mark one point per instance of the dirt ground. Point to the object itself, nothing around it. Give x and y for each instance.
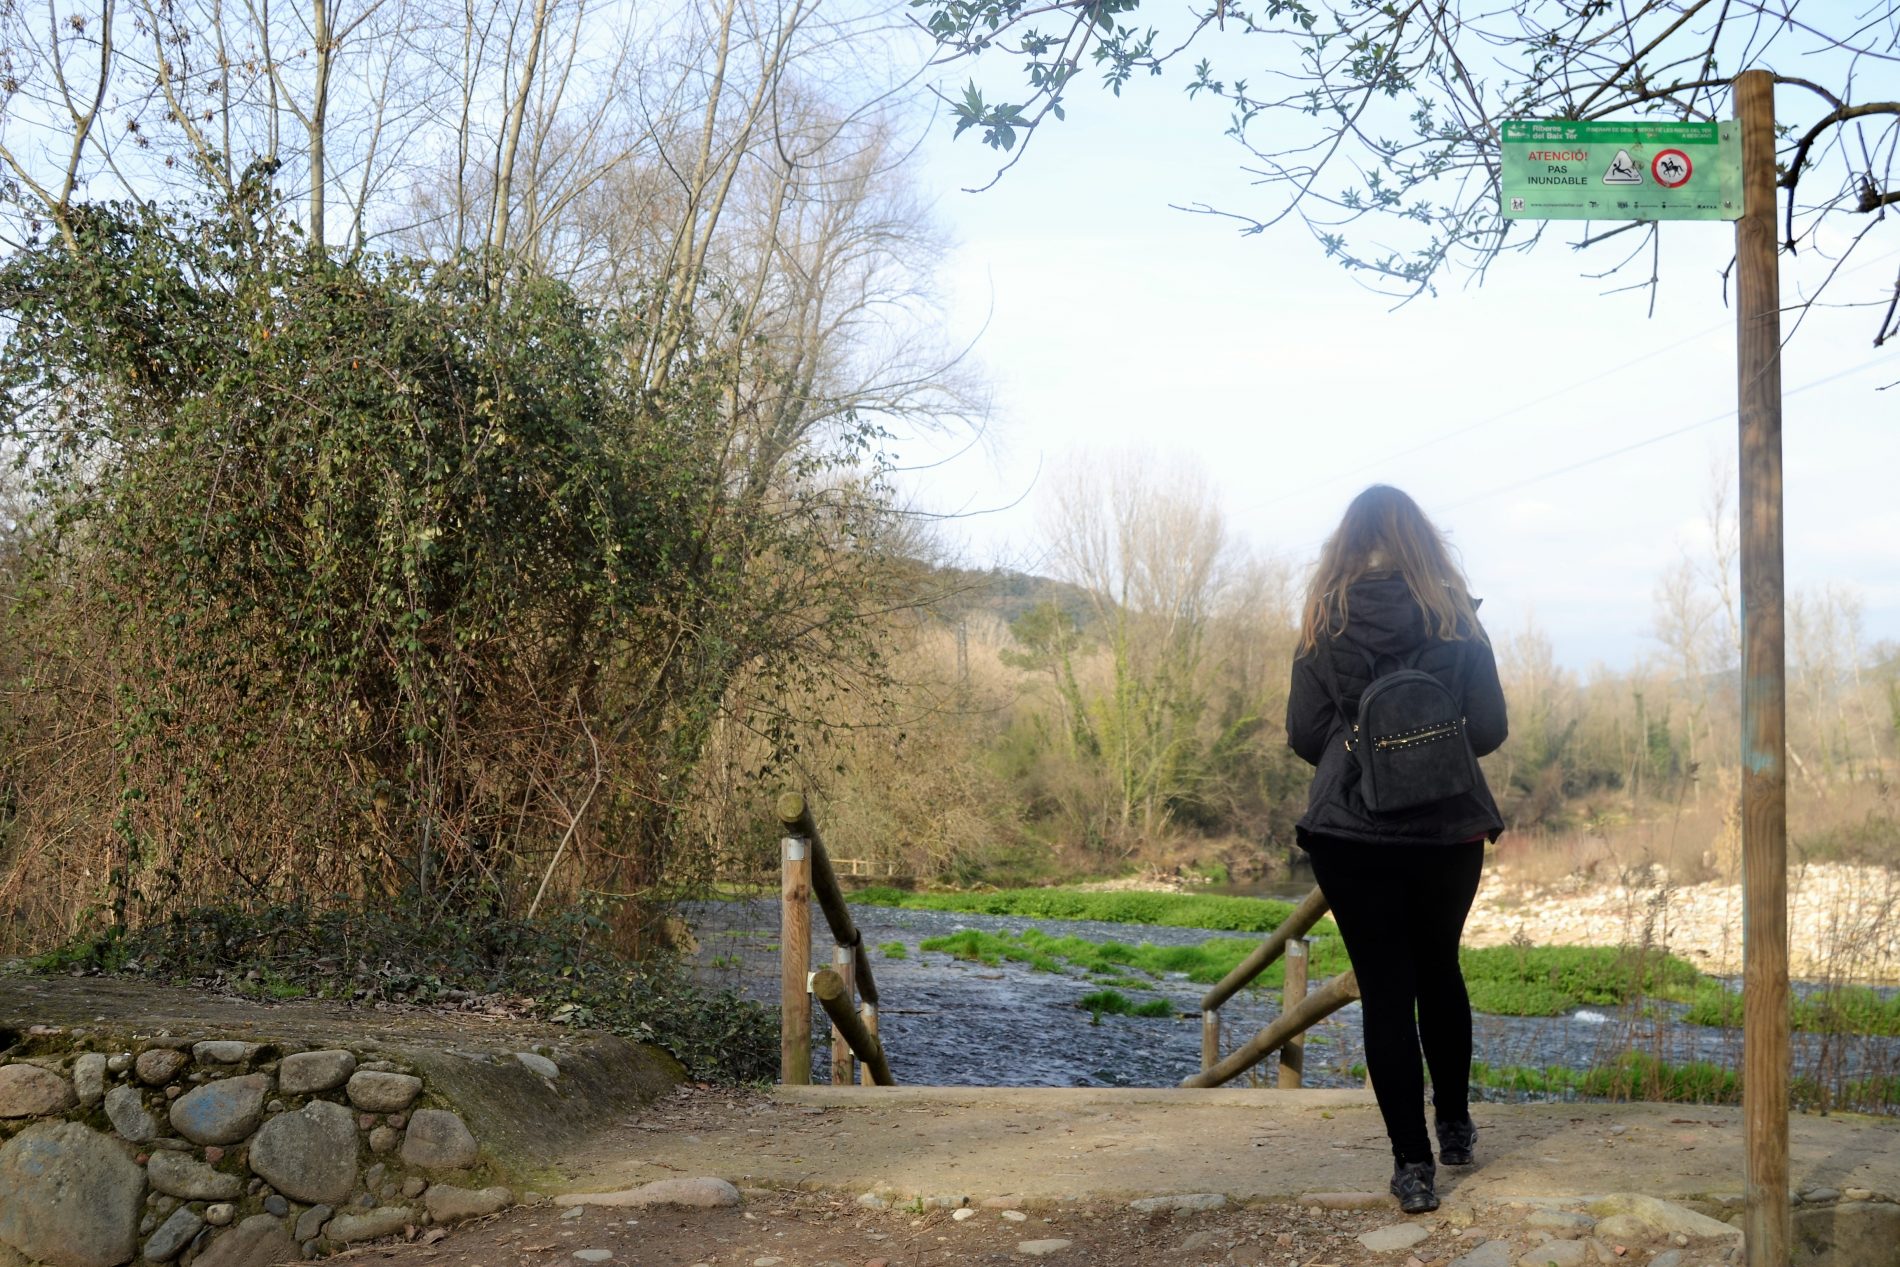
(831, 1226)
(816, 1230)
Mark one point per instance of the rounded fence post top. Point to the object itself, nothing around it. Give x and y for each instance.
(791, 807)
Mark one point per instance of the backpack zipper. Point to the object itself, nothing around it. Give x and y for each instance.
(1407, 739)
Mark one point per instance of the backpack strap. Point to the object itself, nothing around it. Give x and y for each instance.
(1458, 666)
(1323, 650)
(1330, 675)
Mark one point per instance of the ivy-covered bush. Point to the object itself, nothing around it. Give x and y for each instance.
(374, 578)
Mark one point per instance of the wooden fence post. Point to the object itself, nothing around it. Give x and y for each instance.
(841, 961)
(1293, 1055)
(794, 1038)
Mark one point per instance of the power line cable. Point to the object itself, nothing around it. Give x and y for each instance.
(1566, 390)
(1468, 428)
(1527, 481)
(1312, 545)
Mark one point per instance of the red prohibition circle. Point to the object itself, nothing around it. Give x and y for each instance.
(1671, 168)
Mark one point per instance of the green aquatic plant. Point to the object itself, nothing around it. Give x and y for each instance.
(1551, 980)
(1115, 1003)
(1170, 910)
(1838, 1010)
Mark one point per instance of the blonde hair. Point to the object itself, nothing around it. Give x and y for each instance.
(1383, 529)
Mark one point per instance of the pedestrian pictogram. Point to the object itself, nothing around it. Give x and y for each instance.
(1671, 168)
(1623, 170)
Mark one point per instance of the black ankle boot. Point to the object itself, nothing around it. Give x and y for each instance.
(1456, 1141)
(1412, 1185)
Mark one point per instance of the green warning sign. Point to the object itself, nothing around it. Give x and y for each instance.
(1566, 170)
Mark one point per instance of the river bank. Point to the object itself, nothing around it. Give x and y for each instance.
(1843, 920)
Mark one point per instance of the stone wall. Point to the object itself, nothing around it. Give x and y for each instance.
(222, 1152)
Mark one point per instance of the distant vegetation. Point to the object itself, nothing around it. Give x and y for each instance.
(1127, 715)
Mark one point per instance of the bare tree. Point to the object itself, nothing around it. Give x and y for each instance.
(1150, 546)
(1381, 120)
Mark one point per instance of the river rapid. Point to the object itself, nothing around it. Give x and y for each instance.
(950, 1022)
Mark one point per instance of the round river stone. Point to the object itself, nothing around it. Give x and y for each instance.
(309, 1155)
(30, 1091)
(125, 1109)
(311, 1071)
(383, 1092)
(179, 1175)
(437, 1140)
(221, 1112)
(160, 1065)
(69, 1196)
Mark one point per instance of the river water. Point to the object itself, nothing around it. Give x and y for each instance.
(950, 1022)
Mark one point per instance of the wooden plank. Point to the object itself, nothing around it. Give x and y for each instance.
(1766, 1222)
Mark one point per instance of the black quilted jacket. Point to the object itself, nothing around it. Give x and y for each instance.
(1383, 618)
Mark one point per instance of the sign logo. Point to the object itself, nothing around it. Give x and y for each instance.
(1623, 170)
(1671, 168)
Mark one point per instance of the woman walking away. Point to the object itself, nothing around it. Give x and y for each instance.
(1395, 694)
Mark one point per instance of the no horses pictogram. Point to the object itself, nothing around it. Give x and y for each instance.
(1671, 168)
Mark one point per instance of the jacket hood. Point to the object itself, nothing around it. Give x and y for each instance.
(1382, 616)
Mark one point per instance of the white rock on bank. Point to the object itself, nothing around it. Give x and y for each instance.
(705, 1193)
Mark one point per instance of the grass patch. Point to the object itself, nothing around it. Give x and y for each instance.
(991, 949)
(1877, 1094)
(1503, 980)
(893, 950)
(1115, 1003)
(1114, 963)
(1167, 910)
(1552, 980)
(1847, 1010)
(1632, 1076)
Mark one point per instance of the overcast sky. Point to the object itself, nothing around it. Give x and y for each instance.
(1104, 319)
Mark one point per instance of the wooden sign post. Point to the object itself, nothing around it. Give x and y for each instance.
(1566, 169)
(1765, 1054)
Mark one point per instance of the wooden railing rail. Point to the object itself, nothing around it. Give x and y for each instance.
(1289, 940)
(834, 993)
(869, 868)
(1298, 924)
(808, 873)
(1314, 1008)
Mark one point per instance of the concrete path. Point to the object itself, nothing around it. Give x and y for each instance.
(1062, 1144)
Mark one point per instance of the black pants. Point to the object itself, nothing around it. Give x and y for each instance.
(1401, 910)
